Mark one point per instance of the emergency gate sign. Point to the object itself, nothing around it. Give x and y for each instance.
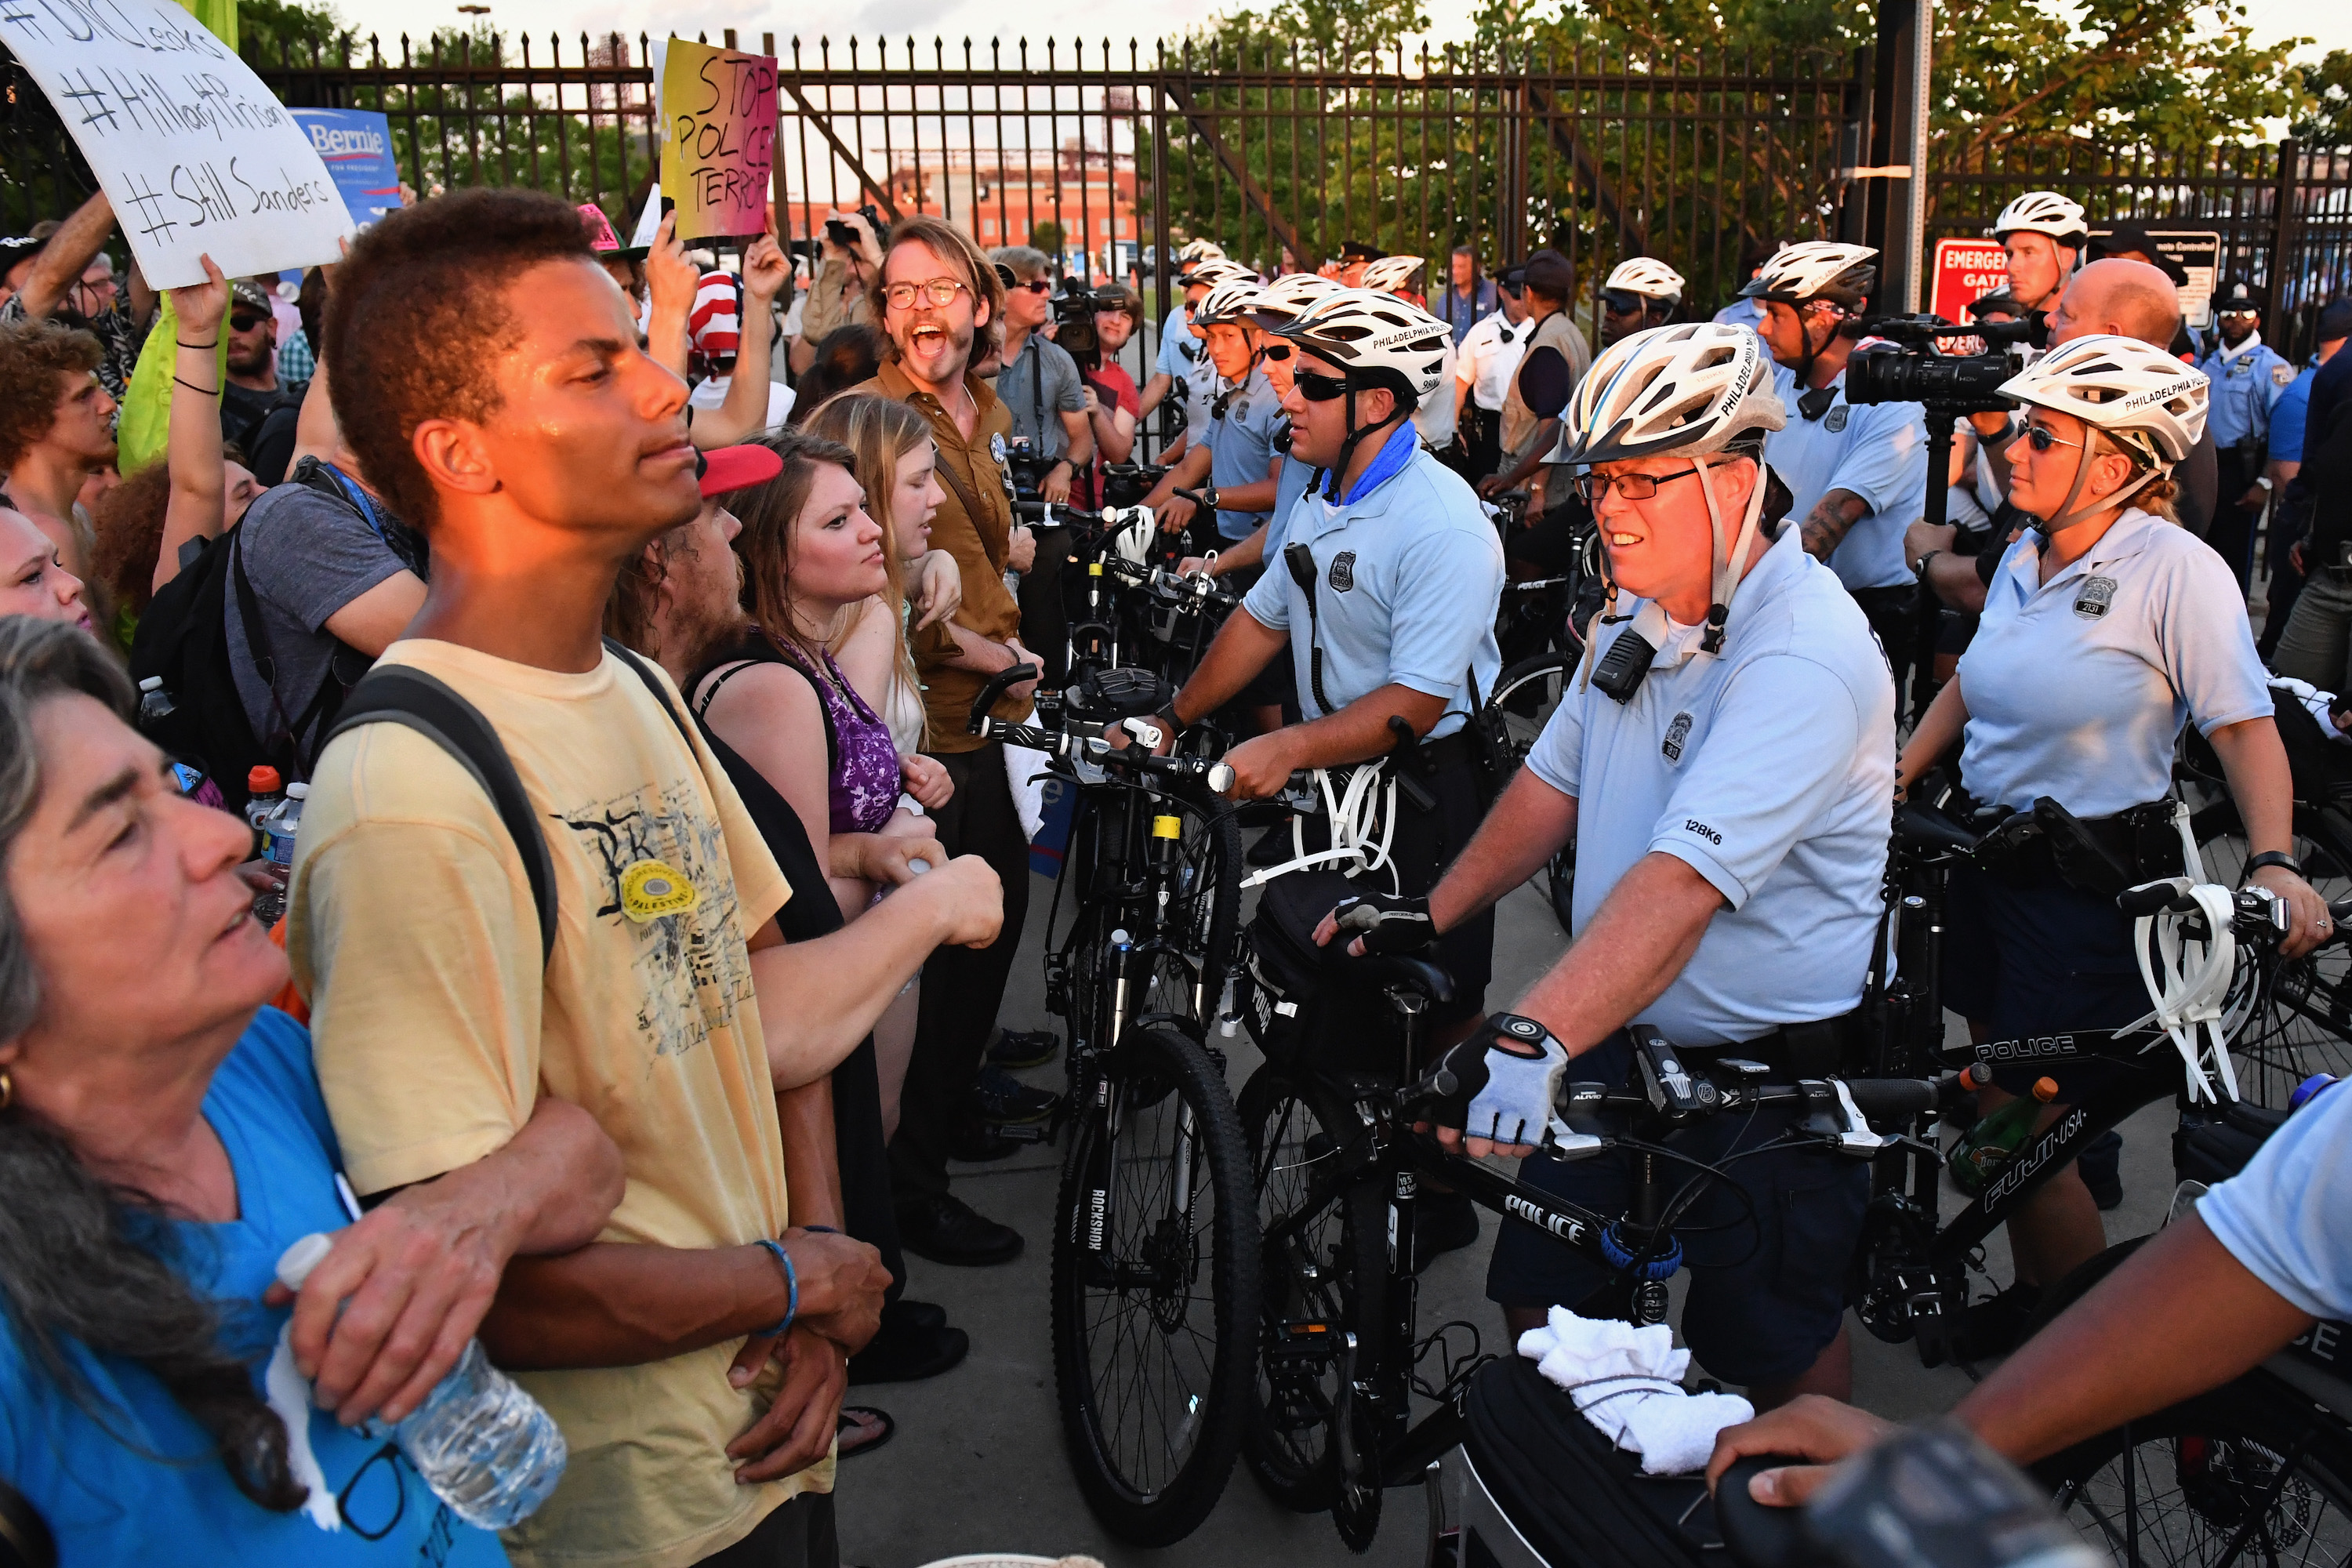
(196, 156)
(1965, 271)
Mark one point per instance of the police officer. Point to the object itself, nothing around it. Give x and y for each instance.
(1406, 576)
(1641, 292)
(2043, 235)
(1233, 450)
(1484, 368)
(2105, 627)
(1859, 472)
(2248, 375)
(1182, 369)
(1729, 804)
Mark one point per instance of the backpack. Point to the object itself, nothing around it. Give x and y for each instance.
(183, 639)
(398, 694)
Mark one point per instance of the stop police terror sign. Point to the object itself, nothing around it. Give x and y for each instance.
(1965, 271)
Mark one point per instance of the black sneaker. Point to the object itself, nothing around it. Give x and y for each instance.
(914, 1315)
(1442, 1222)
(999, 1098)
(944, 1229)
(1018, 1049)
(1996, 1325)
(2101, 1165)
(901, 1352)
(976, 1143)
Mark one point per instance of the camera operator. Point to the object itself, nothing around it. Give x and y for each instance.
(849, 259)
(1483, 368)
(1725, 773)
(1180, 348)
(2248, 375)
(2104, 632)
(1556, 359)
(1641, 293)
(1399, 622)
(1038, 382)
(1858, 470)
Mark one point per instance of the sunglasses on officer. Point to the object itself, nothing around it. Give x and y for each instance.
(1619, 302)
(1317, 387)
(1275, 350)
(2040, 437)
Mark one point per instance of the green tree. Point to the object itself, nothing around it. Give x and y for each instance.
(1045, 234)
(2328, 85)
(271, 30)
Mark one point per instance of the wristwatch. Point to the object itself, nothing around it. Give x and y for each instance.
(1209, 496)
(2278, 858)
(1919, 568)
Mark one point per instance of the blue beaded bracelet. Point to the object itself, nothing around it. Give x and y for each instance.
(792, 1284)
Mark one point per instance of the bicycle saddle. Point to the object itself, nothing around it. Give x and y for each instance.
(1431, 980)
(1920, 826)
(1104, 695)
(1756, 1534)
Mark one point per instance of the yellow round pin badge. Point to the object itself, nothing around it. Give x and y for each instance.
(650, 890)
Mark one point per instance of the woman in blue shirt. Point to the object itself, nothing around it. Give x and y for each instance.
(2105, 629)
(162, 1141)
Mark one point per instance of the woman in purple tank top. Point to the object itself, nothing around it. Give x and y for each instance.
(769, 690)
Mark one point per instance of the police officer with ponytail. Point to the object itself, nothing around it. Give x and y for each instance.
(2107, 627)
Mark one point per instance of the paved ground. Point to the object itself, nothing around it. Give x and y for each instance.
(978, 1464)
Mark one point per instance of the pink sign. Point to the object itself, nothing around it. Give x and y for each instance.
(599, 227)
(719, 109)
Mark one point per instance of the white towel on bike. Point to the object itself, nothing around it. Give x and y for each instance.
(1627, 1382)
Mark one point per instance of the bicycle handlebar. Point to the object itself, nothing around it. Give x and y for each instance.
(1218, 776)
(996, 686)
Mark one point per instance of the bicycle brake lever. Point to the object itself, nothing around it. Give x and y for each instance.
(1856, 1137)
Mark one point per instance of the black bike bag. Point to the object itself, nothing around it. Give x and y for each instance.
(1572, 1495)
(1315, 1007)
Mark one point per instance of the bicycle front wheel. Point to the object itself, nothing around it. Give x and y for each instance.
(2249, 1473)
(1155, 1292)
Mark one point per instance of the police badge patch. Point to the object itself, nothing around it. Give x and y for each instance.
(1836, 421)
(1343, 572)
(2097, 593)
(2282, 374)
(996, 447)
(1676, 733)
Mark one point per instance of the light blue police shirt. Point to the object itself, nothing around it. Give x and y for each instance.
(1769, 770)
(1175, 339)
(1748, 313)
(1288, 485)
(2287, 1216)
(1241, 447)
(2246, 381)
(2289, 415)
(1407, 580)
(2077, 688)
(1875, 450)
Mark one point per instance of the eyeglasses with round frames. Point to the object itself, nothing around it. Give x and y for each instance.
(940, 291)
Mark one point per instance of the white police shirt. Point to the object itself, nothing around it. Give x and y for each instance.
(1435, 417)
(2246, 381)
(1489, 358)
(2077, 688)
(1769, 770)
(1875, 450)
(1239, 440)
(1407, 581)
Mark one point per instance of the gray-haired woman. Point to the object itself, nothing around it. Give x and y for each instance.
(163, 1140)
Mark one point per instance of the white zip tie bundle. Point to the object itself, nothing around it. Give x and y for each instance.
(1368, 803)
(2188, 979)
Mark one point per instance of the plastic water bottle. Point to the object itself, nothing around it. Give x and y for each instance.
(1997, 1137)
(485, 1446)
(263, 792)
(154, 703)
(282, 825)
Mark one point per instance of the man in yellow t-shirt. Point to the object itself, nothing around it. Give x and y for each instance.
(487, 374)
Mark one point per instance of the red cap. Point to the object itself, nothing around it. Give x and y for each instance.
(736, 469)
(261, 780)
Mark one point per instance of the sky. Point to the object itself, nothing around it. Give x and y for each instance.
(2327, 21)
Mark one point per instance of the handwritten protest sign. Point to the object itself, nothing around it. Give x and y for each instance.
(719, 146)
(355, 144)
(195, 154)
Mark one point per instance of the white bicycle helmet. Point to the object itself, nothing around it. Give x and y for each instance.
(1648, 277)
(1687, 390)
(1198, 250)
(1229, 301)
(1816, 269)
(2044, 212)
(1390, 273)
(1209, 274)
(1363, 331)
(1282, 299)
(2148, 404)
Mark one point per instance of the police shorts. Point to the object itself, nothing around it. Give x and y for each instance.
(2033, 961)
(1767, 1292)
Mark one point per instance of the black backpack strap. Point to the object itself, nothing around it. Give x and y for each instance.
(645, 673)
(397, 694)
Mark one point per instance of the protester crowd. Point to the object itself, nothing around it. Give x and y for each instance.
(639, 980)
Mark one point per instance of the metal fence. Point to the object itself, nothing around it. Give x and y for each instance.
(1113, 154)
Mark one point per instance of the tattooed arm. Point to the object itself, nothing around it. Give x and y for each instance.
(1829, 519)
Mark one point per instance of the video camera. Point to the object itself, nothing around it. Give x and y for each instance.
(1913, 369)
(1074, 325)
(1026, 467)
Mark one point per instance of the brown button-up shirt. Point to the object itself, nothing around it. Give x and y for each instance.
(969, 470)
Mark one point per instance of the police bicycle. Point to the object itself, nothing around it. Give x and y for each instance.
(1338, 1164)
(1154, 1289)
